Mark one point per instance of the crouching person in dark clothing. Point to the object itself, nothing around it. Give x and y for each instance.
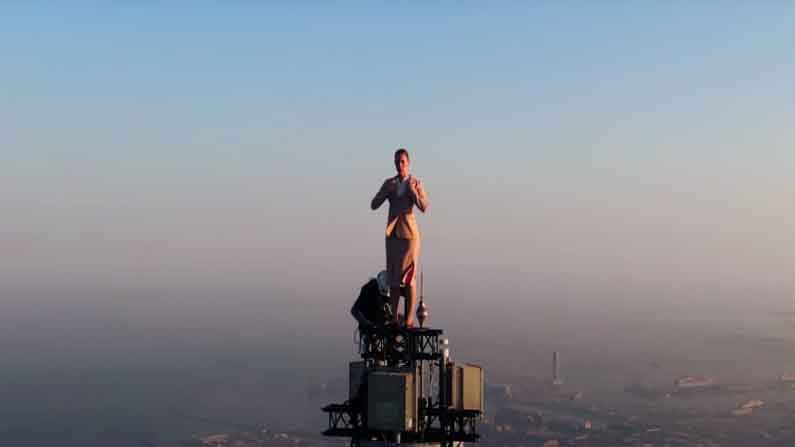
(371, 309)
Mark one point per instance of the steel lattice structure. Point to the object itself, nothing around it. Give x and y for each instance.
(415, 349)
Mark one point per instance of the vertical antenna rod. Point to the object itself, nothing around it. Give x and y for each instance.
(422, 309)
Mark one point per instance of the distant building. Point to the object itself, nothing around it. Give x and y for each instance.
(788, 377)
(214, 440)
(556, 380)
(694, 382)
(756, 403)
(742, 411)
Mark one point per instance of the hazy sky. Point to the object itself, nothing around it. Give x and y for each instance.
(562, 145)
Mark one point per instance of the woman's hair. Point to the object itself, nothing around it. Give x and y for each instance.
(402, 151)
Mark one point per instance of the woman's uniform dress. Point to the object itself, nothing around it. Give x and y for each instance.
(402, 233)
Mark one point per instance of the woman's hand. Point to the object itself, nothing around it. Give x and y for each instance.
(418, 194)
(416, 188)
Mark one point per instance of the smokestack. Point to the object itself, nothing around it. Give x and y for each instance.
(556, 380)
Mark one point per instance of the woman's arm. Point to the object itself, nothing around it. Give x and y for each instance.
(380, 196)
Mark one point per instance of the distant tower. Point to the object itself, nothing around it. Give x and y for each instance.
(556, 380)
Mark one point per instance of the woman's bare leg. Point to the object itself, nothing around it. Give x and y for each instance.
(394, 302)
(411, 301)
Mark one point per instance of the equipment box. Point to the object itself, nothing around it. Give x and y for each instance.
(391, 401)
(356, 376)
(466, 387)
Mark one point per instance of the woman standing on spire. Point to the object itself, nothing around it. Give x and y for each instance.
(403, 191)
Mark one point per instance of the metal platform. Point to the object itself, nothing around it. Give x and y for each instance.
(443, 426)
(399, 347)
(419, 351)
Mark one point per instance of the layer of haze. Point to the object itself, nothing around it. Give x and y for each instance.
(187, 188)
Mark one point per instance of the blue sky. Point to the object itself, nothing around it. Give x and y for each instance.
(571, 143)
